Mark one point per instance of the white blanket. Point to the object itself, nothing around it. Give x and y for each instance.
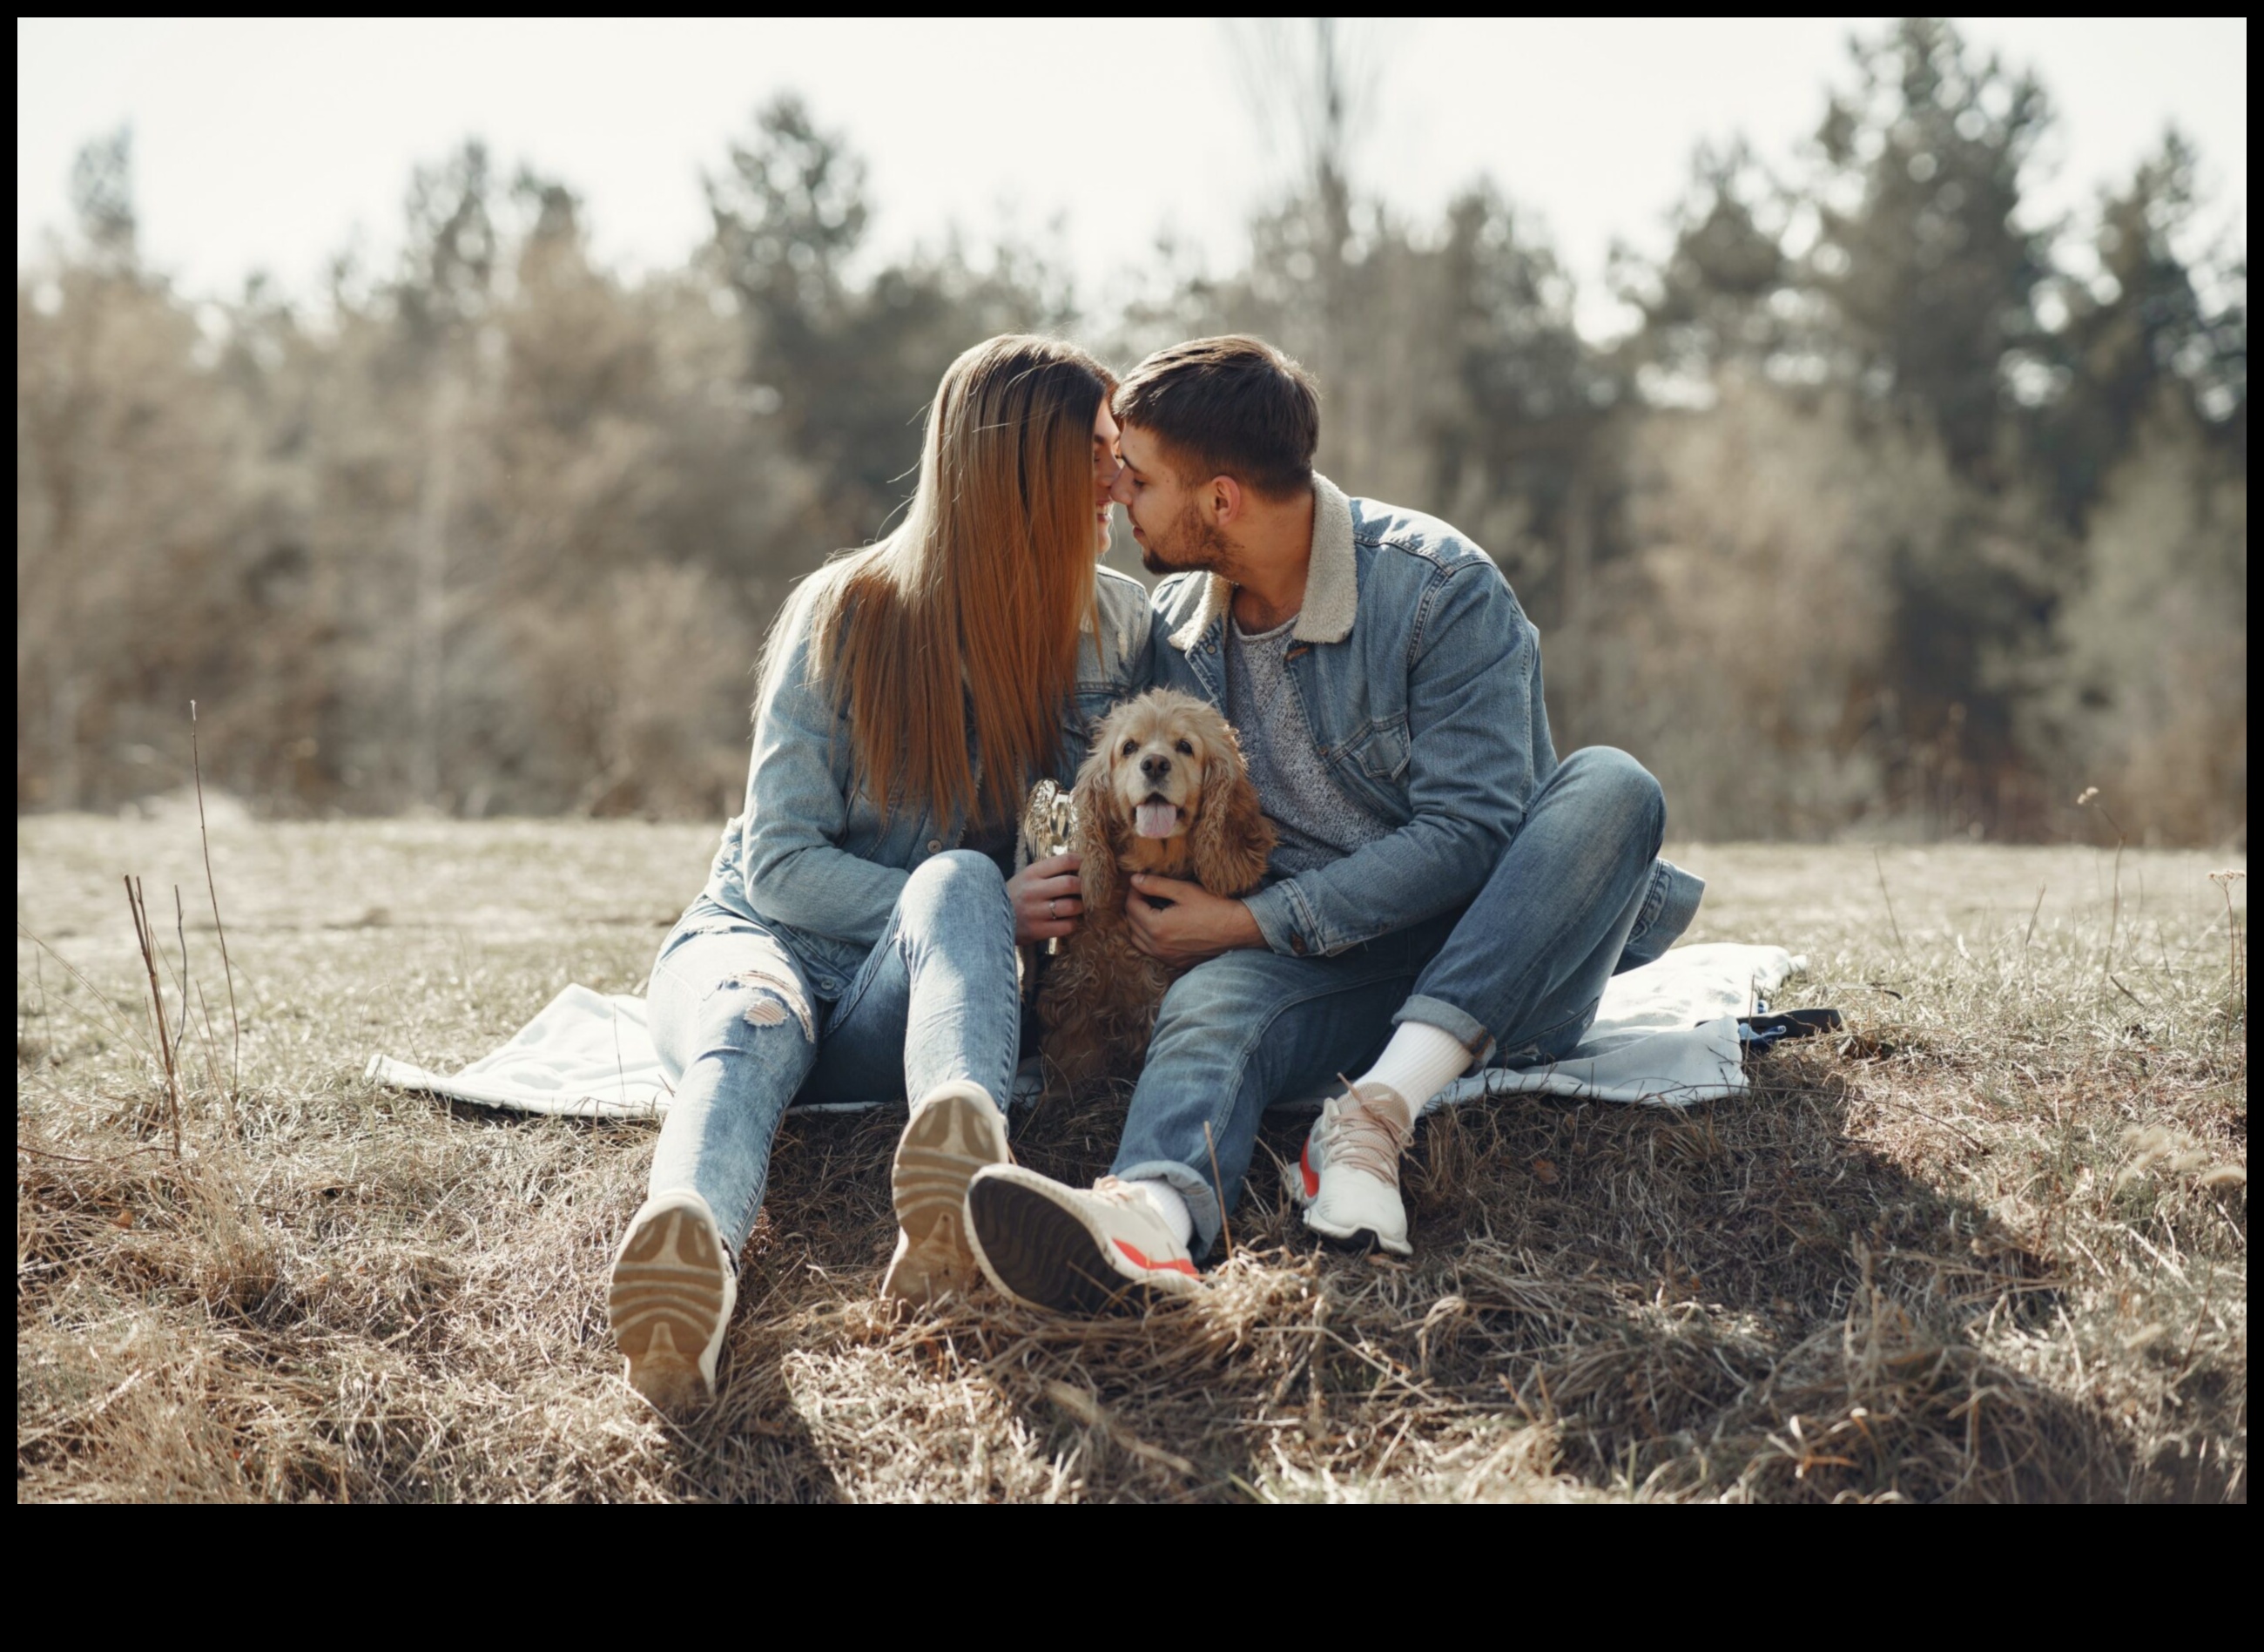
(1665, 1034)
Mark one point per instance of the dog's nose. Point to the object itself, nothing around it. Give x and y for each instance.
(1155, 767)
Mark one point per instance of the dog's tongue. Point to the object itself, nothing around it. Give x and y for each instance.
(1156, 820)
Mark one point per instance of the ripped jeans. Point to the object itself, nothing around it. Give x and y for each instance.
(740, 1035)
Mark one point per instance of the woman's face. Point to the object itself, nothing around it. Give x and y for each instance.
(1106, 462)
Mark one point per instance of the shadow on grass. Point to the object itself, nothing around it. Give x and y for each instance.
(1747, 1300)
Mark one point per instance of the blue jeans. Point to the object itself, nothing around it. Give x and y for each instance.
(1579, 895)
(740, 1034)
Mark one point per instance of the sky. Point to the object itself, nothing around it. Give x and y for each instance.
(272, 145)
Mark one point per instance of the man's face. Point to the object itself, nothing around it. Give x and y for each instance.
(1167, 520)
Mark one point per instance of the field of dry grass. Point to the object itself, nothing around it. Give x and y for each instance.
(1991, 1246)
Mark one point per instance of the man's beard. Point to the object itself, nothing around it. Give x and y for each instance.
(1190, 543)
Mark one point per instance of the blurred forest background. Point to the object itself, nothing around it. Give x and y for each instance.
(1902, 513)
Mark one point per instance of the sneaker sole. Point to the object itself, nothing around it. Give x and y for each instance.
(945, 1143)
(665, 1306)
(1357, 1242)
(1043, 1256)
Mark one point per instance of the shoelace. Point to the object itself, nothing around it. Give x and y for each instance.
(1126, 1196)
(1123, 1193)
(1365, 1132)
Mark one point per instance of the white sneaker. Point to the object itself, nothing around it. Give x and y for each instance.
(1347, 1177)
(955, 1129)
(1049, 1245)
(672, 1296)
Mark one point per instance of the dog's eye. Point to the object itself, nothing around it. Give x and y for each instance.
(1131, 746)
(1186, 750)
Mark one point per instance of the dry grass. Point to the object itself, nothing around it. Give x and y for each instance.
(1994, 1247)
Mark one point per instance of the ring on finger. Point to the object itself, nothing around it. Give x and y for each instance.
(1053, 906)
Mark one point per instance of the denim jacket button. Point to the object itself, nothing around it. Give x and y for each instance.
(1297, 944)
(933, 845)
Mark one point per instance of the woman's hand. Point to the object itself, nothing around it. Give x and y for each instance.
(1046, 900)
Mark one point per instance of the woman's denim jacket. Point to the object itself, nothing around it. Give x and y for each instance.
(1420, 678)
(822, 868)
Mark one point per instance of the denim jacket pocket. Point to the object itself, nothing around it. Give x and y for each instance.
(1374, 765)
(1382, 752)
(1081, 714)
(1092, 701)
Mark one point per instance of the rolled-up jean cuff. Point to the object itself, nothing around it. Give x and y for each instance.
(1685, 890)
(1669, 906)
(1456, 1023)
(1193, 1186)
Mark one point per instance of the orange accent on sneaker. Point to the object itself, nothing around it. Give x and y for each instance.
(1187, 1268)
(1305, 1169)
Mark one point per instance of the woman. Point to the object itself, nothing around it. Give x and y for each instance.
(857, 933)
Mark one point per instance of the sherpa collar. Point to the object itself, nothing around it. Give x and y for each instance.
(1331, 578)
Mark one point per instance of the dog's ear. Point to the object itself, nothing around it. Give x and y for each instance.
(1096, 825)
(1232, 837)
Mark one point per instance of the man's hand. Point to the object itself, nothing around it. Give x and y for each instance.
(1046, 899)
(1197, 925)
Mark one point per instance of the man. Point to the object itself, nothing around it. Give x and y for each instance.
(1444, 889)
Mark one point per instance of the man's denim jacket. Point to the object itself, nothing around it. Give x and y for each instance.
(1420, 678)
(822, 868)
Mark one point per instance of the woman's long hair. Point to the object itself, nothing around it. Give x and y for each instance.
(974, 607)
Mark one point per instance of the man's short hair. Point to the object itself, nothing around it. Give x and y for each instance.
(1230, 406)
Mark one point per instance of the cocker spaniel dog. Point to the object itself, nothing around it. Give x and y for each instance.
(1165, 791)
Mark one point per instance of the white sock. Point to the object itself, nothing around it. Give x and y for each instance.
(1169, 1206)
(1419, 1062)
